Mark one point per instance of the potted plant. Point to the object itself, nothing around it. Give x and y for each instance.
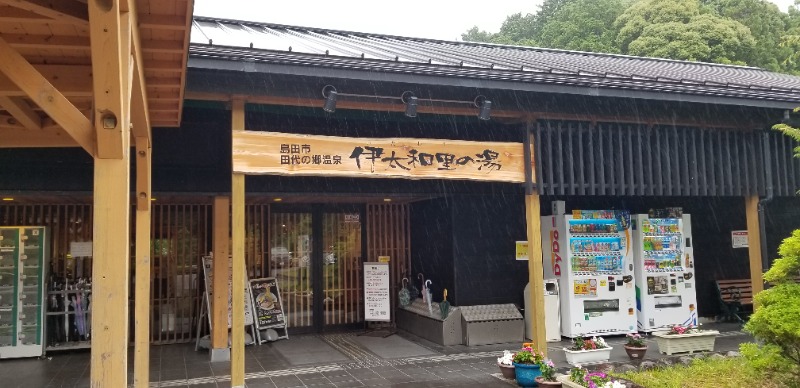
(506, 364)
(548, 377)
(579, 378)
(587, 351)
(527, 364)
(635, 347)
(689, 338)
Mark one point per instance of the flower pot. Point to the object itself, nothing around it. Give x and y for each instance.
(670, 344)
(566, 382)
(507, 371)
(526, 374)
(544, 383)
(635, 353)
(583, 357)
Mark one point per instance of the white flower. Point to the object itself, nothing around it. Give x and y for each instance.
(613, 384)
(601, 343)
(507, 358)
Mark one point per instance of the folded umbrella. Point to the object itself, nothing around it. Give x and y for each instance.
(444, 307)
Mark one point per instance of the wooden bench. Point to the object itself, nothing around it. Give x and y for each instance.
(733, 295)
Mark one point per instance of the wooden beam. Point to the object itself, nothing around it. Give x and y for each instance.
(219, 306)
(70, 80)
(68, 11)
(141, 358)
(108, 67)
(533, 216)
(48, 42)
(110, 269)
(754, 245)
(162, 22)
(42, 92)
(140, 113)
(10, 14)
(237, 238)
(150, 46)
(463, 111)
(45, 138)
(22, 112)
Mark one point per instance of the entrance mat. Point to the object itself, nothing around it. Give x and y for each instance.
(304, 350)
(392, 347)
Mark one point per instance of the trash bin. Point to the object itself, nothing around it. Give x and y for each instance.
(552, 312)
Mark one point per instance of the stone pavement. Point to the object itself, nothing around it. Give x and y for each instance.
(337, 360)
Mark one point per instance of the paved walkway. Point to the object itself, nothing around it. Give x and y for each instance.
(340, 360)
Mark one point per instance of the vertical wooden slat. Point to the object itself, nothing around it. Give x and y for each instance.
(581, 166)
(610, 162)
(659, 159)
(695, 162)
(551, 160)
(591, 133)
(601, 165)
(631, 163)
(737, 172)
(570, 158)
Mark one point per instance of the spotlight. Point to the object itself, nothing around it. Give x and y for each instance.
(330, 98)
(485, 108)
(411, 106)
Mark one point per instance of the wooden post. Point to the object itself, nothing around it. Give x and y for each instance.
(219, 306)
(141, 358)
(110, 40)
(533, 216)
(237, 234)
(754, 245)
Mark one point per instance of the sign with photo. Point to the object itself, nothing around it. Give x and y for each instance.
(208, 271)
(267, 303)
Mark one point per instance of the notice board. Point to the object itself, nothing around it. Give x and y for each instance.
(377, 301)
(208, 271)
(267, 303)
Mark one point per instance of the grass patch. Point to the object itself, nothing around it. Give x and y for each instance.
(702, 373)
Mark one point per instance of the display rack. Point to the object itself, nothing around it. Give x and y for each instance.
(69, 316)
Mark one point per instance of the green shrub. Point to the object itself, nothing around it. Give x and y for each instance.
(776, 323)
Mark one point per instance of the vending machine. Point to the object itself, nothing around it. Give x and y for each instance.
(589, 253)
(664, 266)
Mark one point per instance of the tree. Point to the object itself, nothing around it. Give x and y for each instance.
(776, 324)
(582, 25)
(767, 24)
(476, 35)
(678, 29)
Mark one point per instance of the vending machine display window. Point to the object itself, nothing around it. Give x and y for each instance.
(600, 306)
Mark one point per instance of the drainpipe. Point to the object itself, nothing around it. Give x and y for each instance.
(762, 203)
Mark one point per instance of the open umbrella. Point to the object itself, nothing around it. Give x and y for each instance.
(444, 307)
(426, 291)
(403, 296)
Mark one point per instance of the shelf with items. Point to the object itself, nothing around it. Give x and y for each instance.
(604, 263)
(594, 244)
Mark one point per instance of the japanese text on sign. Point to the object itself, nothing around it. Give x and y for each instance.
(377, 305)
(290, 154)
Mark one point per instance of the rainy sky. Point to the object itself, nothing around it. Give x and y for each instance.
(436, 19)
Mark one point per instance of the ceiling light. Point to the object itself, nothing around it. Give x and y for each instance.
(330, 98)
(387, 200)
(278, 199)
(8, 199)
(485, 107)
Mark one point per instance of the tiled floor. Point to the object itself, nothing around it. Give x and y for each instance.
(316, 361)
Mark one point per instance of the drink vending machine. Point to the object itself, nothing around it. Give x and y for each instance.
(589, 252)
(664, 266)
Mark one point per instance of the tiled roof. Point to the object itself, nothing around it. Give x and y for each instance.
(303, 47)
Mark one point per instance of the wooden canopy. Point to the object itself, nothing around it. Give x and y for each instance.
(46, 75)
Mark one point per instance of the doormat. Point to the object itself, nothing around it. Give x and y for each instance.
(392, 347)
(304, 350)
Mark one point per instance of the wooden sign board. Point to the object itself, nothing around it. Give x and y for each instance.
(288, 154)
(377, 303)
(267, 303)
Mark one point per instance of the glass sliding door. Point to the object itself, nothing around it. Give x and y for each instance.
(289, 261)
(341, 257)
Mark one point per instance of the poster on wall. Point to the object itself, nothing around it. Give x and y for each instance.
(377, 303)
(521, 250)
(267, 303)
(739, 239)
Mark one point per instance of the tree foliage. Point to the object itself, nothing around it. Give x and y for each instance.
(776, 324)
(751, 32)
